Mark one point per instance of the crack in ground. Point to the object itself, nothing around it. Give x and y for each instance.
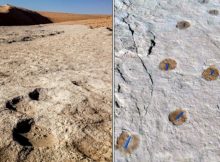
(152, 41)
(120, 73)
(138, 109)
(127, 4)
(146, 109)
(149, 74)
(153, 44)
(152, 84)
(132, 33)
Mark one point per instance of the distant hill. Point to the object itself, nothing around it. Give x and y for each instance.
(11, 15)
(57, 17)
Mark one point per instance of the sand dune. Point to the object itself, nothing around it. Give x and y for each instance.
(11, 15)
(57, 17)
(93, 23)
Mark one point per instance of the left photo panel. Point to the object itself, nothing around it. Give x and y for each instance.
(56, 81)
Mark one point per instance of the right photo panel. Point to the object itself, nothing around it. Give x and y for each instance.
(167, 87)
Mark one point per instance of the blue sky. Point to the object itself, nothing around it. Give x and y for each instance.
(70, 6)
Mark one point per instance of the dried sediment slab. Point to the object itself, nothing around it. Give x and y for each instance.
(167, 64)
(178, 117)
(210, 73)
(127, 142)
(145, 95)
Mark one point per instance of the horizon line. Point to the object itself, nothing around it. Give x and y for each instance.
(54, 11)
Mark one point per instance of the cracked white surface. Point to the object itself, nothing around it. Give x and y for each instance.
(144, 95)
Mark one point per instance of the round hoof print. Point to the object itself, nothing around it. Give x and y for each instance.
(167, 64)
(12, 104)
(214, 12)
(22, 127)
(178, 117)
(182, 25)
(210, 73)
(34, 95)
(127, 142)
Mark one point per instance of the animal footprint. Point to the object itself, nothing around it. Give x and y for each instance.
(27, 133)
(178, 117)
(12, 104)
(127, 142)
(22, 127)
(183, 25)
(40, 137)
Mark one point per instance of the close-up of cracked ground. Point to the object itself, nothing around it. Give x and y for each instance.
(55, 93)
(167, 83)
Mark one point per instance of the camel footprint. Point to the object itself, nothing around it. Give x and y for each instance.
(27, 133)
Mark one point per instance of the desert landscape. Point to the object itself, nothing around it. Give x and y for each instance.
(167, 86)
(55, 86)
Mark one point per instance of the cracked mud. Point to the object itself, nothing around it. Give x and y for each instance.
(147, 32)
